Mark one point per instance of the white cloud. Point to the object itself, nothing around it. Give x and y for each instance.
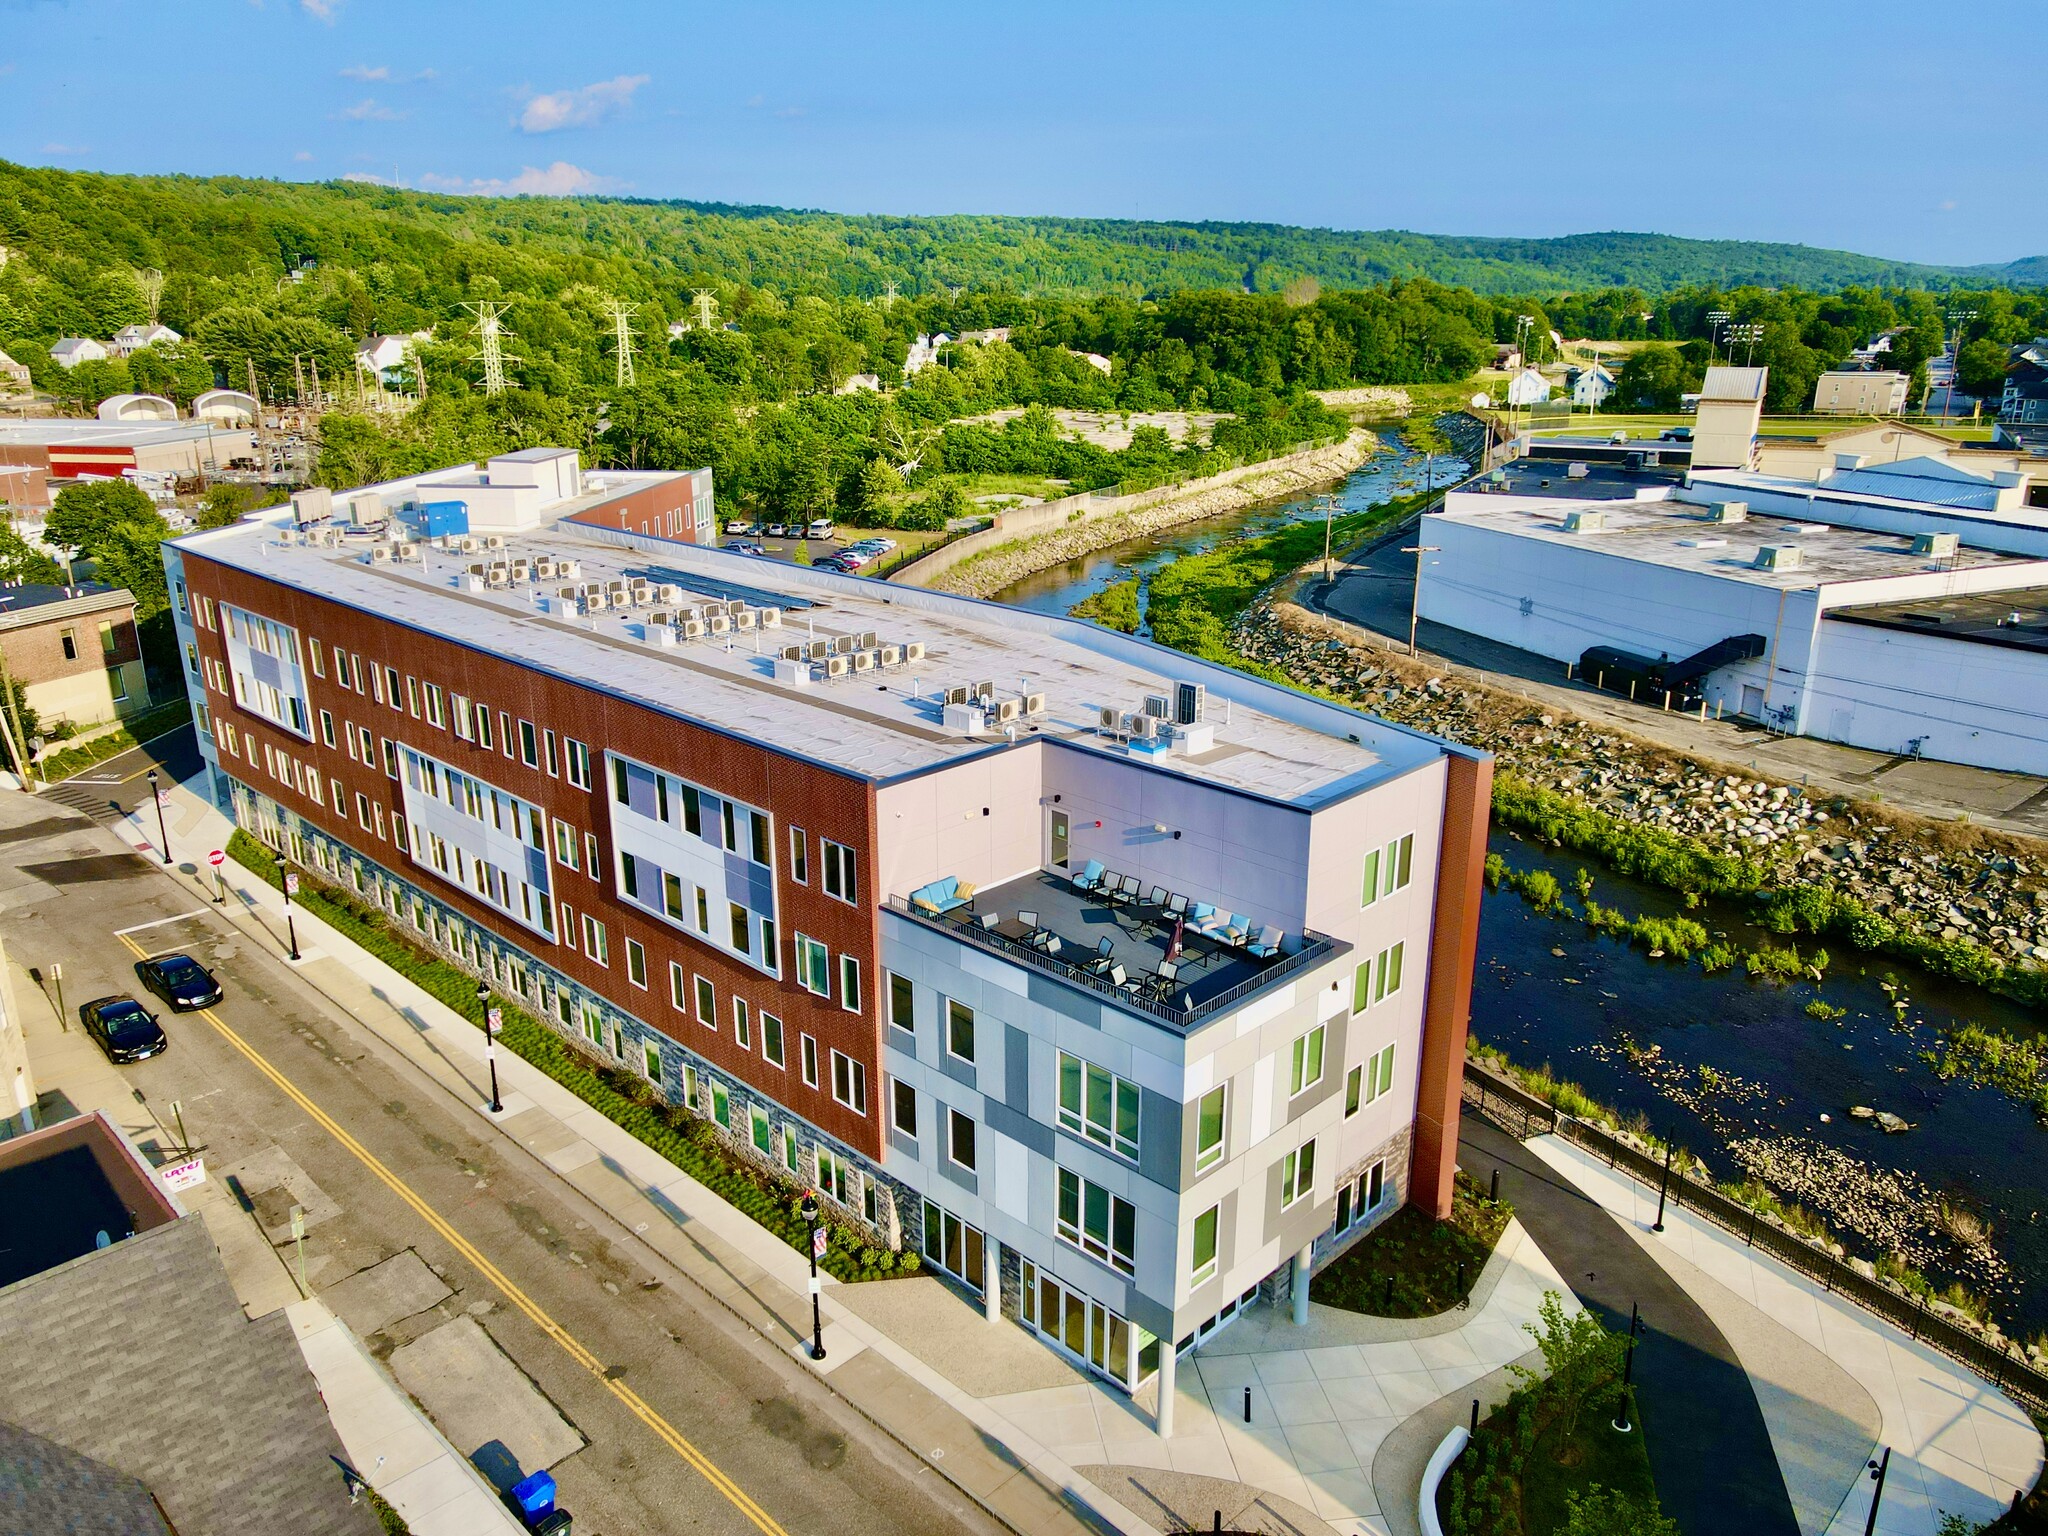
(367, 72)
(560, 179)
(303, 156)
(371, 178)
(369, 110)
(321, 10)
(578, 108)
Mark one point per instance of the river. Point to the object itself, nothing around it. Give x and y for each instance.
(1733, 1070)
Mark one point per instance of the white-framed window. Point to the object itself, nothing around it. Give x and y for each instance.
(1212, 1122)
(1378, 1072)
(850, 1082)
(576, 762)
(1377, 977)
(690, 1096)
(326, 728)
(312, 645)
(1202, 1262)
(1094, 1102)
(813, 966)
(1305, 1063)
(567, 846)
(1298, 1174)
(792, 1154)
(636, 962)
(903, 1107)
(678, 987)
(902, 1003)
(650, 1060)
(742, 1023)
(960, 1148)
(760, 1132)
(436, 715)
(1101, 1224)
(1387, 869)
(529, 745)
(771, 1040)
(837, 859)
(707, 1003)
(808, 1049)
(959, 1030)
(799, 856)
(595, 943)
(849, 983)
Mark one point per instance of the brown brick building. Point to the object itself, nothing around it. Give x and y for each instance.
(74, 651)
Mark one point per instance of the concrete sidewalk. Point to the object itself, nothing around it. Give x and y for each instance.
(1959, 1446)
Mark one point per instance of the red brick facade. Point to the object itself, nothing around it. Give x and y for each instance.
(35, 650)
(793, 792)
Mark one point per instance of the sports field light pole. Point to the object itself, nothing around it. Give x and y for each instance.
(1415, 596)
(1957, 319)
(284, 880)
(162, 836)
(492, 1018)
(809, 1211)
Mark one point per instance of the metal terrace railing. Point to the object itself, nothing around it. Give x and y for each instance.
(1316, 948)
(1520, 1113)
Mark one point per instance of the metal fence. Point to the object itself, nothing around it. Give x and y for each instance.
(1521, 1114)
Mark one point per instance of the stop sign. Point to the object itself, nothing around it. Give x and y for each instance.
(216, 858)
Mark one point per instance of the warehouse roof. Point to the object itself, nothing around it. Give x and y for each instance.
(883, 724)
(1677, 535)
(2015, 620)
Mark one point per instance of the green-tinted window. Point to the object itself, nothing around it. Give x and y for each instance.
(1209, 1121)
(1205, 1244)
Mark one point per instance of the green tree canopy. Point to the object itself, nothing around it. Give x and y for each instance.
(85, 514)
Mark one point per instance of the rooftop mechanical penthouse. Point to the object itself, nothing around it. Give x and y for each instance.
(1125, 988)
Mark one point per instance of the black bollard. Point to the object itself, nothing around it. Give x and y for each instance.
(1247, 1405)
(1475, 1415)
(1493, 1188)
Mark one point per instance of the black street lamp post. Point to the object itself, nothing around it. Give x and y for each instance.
(490, 1018)
(809, 1211)
(1877, 1472)
(1663, 1188)
(1628, 1364)
(163, 837)
(284, 879)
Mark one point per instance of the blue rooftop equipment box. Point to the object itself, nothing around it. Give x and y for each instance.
(439, 517)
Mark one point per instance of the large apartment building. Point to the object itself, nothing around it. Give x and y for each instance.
(1125, 988)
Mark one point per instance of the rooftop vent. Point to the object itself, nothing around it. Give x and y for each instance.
(1780, 557)
(1728, 512)
(1584, 522)
(1942, 546)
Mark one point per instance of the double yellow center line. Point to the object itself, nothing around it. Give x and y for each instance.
(574, 1347)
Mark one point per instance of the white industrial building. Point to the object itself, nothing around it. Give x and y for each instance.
(1925, 494)
(1898, 642)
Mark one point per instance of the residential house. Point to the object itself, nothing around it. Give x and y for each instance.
(73, 350)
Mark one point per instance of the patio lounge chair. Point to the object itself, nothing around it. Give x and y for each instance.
(1090, 874)
(1176, 905)
(1163, 979)
(1132, 889)
(1267, 945)
(942, 896)
(988, 920)
(1110, 887)
(1200, 915)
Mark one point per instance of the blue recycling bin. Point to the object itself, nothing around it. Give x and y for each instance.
(535, 1496)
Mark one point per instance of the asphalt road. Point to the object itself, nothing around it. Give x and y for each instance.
(67, 886)
(1710, 1452)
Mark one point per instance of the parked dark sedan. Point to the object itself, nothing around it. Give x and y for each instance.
(180, 981)
(125, 1029)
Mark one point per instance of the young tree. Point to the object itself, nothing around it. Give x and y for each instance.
(22, 561)
(1609, 1512)
(878, 483)
(87, 512)
(1980, 369)
(1580, 1359)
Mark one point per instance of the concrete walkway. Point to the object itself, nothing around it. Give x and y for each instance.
(1959, 1446)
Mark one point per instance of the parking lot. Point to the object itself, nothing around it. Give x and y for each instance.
(820, 550)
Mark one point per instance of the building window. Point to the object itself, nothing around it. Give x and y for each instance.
(313, 651)
(68, 638)
(1203, 1262)
(591, 862)
(707, 1003)
(1297, 1175)
(791, 1157)
(529, 746)
(1387, 869)
(799, 856)
(1352, 1088)
(576, 762)
(813, 966)
(849, 983)
(636, 963)
(594, 943)
(838, 862)
(435, 715)
(850, 1082)
(650, 1060)
(758, 843)
(809, 1050)
(1305, 1068)
(960, 1139)
(326, 729)
(690, 1097)
(1210, 1121)
(771, 1040)
(903, 1104)
(742, 930)
(763, 1134)
(1378, 1072)
(742, 1023)
(678, 989)
(721, 1104)
(1102, 1225)
(1099, 1105)
(1377, 978)
(902, 1013)
(551, 751)
(959, 1030)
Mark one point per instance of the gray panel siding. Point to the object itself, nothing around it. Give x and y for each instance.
(1036, 1136)
(1333, 1071)
(1047, 993)
(1160, 1153)
(1017, 1060)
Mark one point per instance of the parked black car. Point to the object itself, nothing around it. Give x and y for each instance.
(125, 1029)
(180, 981)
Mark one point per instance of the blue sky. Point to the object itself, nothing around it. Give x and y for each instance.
(1832, 123)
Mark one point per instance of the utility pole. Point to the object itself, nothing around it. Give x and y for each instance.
(11, 727)
(1415, 597)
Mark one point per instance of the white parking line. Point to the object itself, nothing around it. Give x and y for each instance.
(138, 927)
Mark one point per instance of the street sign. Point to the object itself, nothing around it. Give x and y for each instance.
(216, 858)
(818, 1243)
(177, 1176)
(817, 1286)
(291, 883)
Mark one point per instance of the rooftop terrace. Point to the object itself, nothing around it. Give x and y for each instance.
(882, 723)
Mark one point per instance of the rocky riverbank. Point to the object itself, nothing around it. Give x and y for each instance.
(994, 569)
(1949, 882)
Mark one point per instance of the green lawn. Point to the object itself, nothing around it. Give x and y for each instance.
(1520, 1472)
(138, 727)
(1597, 1456)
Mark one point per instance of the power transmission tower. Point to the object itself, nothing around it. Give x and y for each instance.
(491, 333)
(889, 293)
(622, 337)
(707, 307)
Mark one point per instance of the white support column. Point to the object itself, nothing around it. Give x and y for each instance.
(1162, 1416)
(992, 1279)
(1299, 1288)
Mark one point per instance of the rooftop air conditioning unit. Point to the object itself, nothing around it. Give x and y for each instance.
(469, 545)
(914, 651)
(494, 541)
(837, 666)
(595, 602)
(771, 618)
(1034, 703)
(1142, 727)
(892, 656)
(792, 653)
(1586, 521)
(863, 661)
(568, 570)
(409, 551)
(380, 555)
(743, 620)
(670, 592)
(720, 623)
(957, 695)
(661, 616)
(1156, 705)
(1108, 721)
(1189, 700)
(868, 641)
(692, 629)
(736, 607)
(544, 568)
(1008, 710)
(817, 650)
(1780, 557)
(1728, 512)
(845, 645)
(985, 690)
(1942, 546)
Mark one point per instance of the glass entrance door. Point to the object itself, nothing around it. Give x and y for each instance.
(1087, 1330)
(1057, 854)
